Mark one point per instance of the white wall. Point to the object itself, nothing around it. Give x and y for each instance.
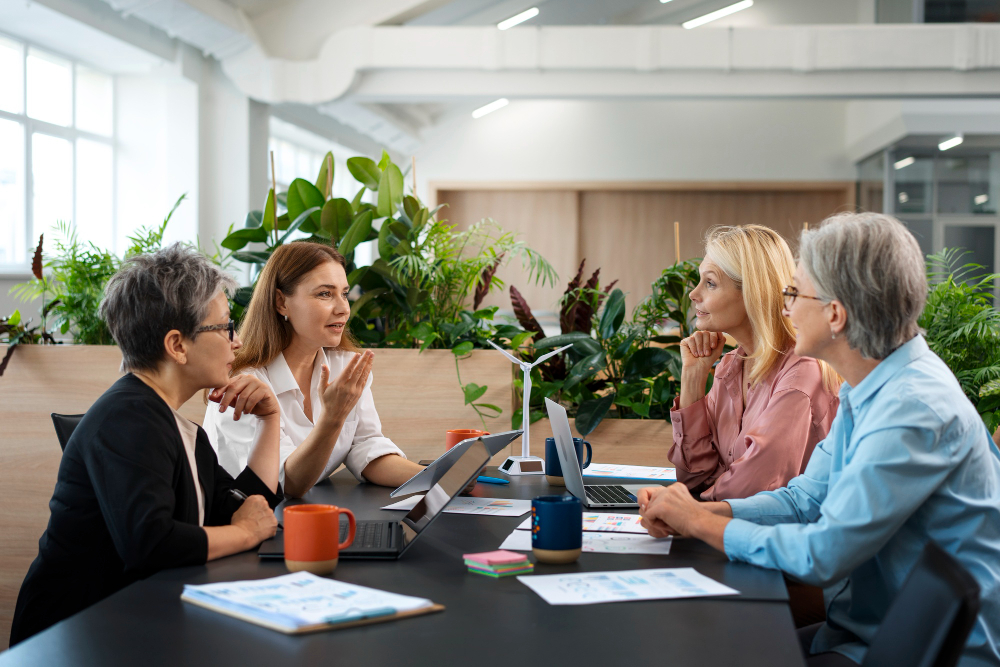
(642, 141)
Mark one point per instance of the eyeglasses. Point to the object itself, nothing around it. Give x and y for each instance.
(791, 293)
(229, 326)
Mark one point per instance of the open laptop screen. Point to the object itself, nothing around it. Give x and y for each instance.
(450, 485)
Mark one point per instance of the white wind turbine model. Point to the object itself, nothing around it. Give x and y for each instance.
(525, 464)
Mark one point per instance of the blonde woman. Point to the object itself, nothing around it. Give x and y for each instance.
(767, 408)
(295, 340)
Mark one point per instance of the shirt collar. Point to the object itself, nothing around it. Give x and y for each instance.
(903, 355)
(731, 368)
(281, 376)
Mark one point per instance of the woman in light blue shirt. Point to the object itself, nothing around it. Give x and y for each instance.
(907, 459)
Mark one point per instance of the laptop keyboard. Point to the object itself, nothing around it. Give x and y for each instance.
(609, 494)
(369, 534)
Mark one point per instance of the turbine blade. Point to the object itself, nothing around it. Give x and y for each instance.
(505, 353)
(551, 354)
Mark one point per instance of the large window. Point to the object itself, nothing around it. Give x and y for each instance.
(56, 150)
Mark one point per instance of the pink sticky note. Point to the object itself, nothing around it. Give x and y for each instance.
(496, 557)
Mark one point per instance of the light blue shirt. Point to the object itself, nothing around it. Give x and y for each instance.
(907, 460)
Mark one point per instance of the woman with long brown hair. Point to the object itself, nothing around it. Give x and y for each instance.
(295, 340)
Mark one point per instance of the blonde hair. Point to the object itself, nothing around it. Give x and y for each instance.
(759, 261)
(265, 334)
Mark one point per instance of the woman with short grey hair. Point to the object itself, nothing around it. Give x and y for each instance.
(139, 487)
(907, 461)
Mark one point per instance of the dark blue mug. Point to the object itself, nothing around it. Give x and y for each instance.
(556, 528)
(553, 469)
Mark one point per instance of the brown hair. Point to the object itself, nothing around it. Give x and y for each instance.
(263, 331)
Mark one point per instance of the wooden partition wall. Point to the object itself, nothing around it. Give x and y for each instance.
(627, 229)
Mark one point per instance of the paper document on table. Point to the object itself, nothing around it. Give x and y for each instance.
(628, 585)
(643, 473)
(600, 543)
(295, 601)
(604, 523)
(470, 505)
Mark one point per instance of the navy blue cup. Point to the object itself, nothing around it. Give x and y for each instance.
(552, 466)
(556, 528)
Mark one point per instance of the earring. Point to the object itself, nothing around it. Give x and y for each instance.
(833, 337)
(286, 318)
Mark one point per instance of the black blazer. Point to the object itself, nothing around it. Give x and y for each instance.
(124, 507)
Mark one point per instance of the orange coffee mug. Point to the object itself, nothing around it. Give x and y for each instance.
(456, 435)
(311, 534)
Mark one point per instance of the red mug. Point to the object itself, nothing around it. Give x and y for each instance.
(456, 435)
(311, 534)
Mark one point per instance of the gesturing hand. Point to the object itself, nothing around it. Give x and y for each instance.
(340, 397)
(255, 517)
(701, 350)
(247, 394)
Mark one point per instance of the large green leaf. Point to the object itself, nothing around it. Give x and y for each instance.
(243, 295)
(590, 413)
(365, 171)
(646, 363)
(303, 195)
(583, 343)
(390, 190)
(252, 257)
(410, 207)
(357, 233)
(584, 370)
(366, 298)
(241, 237)
(322, 179)
(253, 219)
(336, 217)
(300, 222)
(462, 349)
(267, 222)
(385, 247)
(613, 315)
(473, 392)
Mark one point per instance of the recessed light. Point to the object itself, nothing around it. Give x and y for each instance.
(905, 162)
(491, 107)
(518, 18)
(903, 197)
(951, 143)
(714, 16)
(981, 199)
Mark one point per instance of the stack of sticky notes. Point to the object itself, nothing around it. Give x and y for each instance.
(498, 564)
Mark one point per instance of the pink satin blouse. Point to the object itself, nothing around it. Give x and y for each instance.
(740, 452)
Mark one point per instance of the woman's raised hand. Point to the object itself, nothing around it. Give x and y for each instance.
(247, 394)
(701, 350)
(340, 397)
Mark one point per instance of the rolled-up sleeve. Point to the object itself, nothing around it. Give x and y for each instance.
(369, 442)
(893, 471)
(775, 446)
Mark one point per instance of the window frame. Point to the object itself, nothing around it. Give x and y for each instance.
(30, 126)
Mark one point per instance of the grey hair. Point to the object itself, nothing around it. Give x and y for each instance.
(871, 264)
(153, 294)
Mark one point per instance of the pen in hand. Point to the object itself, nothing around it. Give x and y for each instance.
(237, 495)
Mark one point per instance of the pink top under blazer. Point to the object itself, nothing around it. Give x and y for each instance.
(738, 452)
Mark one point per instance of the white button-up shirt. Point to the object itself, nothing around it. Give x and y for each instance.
(360, 441)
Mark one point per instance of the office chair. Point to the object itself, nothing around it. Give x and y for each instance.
(65, 425)
(929, 622)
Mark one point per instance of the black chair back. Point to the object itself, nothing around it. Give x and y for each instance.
(65, 425)
(929, 622)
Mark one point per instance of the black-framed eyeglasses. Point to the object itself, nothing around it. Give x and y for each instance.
(791, 293)
(229, 326)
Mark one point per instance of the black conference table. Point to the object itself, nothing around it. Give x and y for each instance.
(486, 622)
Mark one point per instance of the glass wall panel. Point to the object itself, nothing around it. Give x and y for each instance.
(871, 179)
(923, 231)
(52, 180)
(978, 241)
(966, 185)
(94, 173)
(914, 180)
(94, 107)
(11, 76)
(13, 244)
(50, 88)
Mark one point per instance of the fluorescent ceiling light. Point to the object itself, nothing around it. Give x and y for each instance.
(951, 143)
(981, 199)
(713, 16)
(905, 162)
(518, 18)
(663, 2)
(490, 108)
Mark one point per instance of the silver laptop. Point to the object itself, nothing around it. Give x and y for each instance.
(603, 495)
(430, 475)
